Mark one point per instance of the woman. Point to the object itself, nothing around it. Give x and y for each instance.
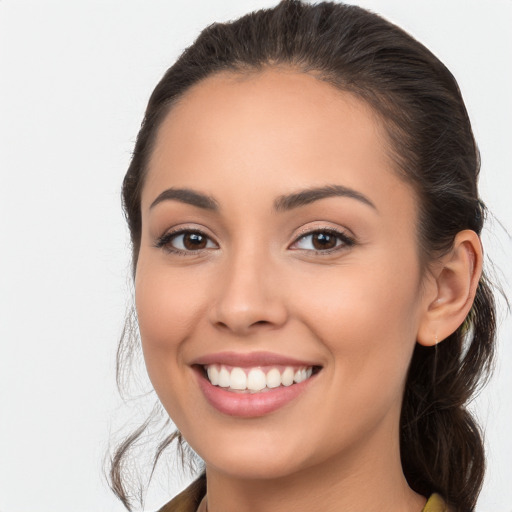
(305, 221)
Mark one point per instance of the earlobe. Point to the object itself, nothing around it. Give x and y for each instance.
(454, 283)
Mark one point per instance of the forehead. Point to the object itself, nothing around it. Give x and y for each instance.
(281, 104)
(277, 128)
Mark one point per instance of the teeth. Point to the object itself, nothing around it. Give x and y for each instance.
(273, 378)
(224, 378)
(213, 375)
(302, 374)
(255, 379)
(238, 379)
(287, 377)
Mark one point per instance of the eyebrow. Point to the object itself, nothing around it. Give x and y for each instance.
(305, 197)
(187, 196)
(282, 203)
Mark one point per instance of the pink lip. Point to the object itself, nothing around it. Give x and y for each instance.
(249, 405)
(251, 359)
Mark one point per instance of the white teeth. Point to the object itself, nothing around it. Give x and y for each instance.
(273, 378)
(213, 375)
(300, 375)
(255, 379)
(287, 377)
(238, 379)
(224, 378)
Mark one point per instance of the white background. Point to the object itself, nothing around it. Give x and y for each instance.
(74, 80)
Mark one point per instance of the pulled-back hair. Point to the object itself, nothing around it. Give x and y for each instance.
(434, 150)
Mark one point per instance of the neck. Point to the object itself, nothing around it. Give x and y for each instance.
(352, 482)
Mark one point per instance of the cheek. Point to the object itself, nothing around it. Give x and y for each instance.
(364, 299)
(367, 323)
(367, 317)
(169, 307)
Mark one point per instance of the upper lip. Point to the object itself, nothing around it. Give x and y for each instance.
(250, 359)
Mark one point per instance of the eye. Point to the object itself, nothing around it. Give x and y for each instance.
(185, 241)
(323, 240)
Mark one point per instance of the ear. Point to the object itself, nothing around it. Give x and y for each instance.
(452, 289)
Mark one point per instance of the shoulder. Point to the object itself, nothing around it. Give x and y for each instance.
(189, 499)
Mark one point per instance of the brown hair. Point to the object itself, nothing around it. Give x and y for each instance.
(434, 149)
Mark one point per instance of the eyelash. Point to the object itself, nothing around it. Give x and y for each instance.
(164, 242)
(346, 240)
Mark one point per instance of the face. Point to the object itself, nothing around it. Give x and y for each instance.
(279, 256)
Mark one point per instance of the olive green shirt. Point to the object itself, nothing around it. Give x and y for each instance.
(190, 499)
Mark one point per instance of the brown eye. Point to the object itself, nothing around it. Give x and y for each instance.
(323, 241)
(185, 241)
(194, 241)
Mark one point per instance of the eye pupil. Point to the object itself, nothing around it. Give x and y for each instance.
(194, 241)
(324, 241)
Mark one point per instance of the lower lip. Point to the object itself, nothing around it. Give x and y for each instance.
(250, 405)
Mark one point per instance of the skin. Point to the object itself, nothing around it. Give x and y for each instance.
(357, 311)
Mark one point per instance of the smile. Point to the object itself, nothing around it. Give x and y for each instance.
(257, 379)
(251, 385)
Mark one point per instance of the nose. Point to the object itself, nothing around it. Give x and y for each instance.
(250, 296)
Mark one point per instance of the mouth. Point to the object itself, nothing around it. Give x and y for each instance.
(258, 379)
(251, 385)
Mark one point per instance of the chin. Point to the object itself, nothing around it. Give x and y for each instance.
(255, 468)
(254, 455)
